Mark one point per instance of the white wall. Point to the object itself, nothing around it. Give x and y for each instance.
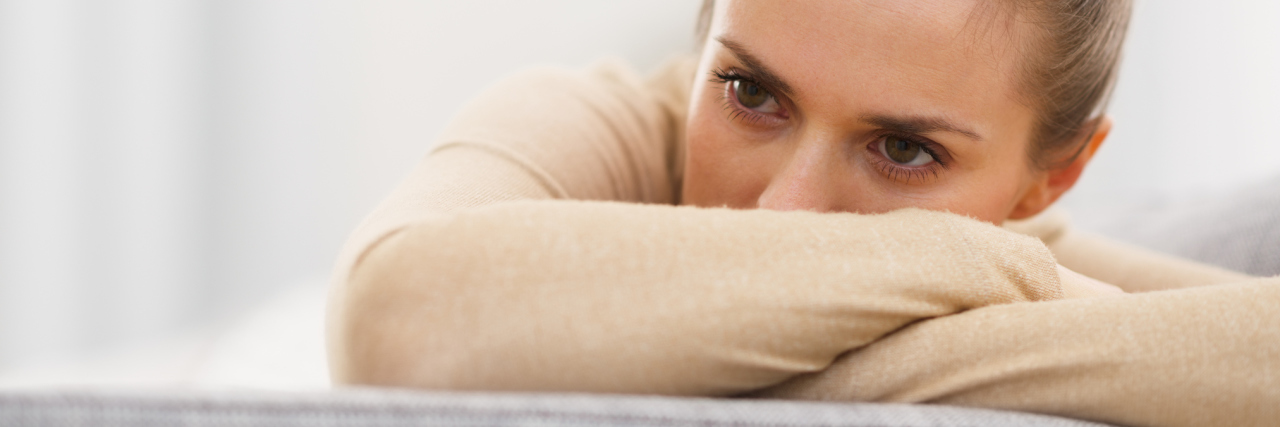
(168, 163)
(165, 164)
(1199, 94)
(101, 172)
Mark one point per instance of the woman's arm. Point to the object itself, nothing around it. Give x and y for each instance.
(1192, 357)
(613, 297)
(1131, 268)
(1135, 269)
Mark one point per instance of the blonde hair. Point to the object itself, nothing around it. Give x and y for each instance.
(1069, 72)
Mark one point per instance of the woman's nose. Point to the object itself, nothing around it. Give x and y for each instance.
(804, 182)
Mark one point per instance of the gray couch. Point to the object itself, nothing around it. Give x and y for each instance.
(405, 408)
(1238, 231)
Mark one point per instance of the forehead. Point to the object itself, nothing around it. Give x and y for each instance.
(937, 57)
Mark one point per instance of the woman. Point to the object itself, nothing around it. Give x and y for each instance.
(837, 119)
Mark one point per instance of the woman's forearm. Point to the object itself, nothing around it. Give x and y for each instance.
(615, 297)
(1193, 357)
(1129, 267)
(1135, 269)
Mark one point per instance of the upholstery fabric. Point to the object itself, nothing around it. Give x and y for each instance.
(402, 408)
(1238, 230)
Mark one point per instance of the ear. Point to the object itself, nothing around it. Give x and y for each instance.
(1051, 184)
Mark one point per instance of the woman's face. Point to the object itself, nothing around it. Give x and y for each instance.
(859, 106)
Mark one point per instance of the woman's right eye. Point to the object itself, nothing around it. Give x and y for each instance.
(754, 97)
(905, 152)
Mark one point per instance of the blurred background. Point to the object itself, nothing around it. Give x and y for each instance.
(176, 176)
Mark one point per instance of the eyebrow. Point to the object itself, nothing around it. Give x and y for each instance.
(918, 125)
(758, 70)
(904, 124)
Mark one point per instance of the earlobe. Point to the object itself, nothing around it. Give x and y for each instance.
(1053, 183)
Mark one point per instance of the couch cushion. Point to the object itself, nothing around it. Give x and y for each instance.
(1237, 230)
(404, 408)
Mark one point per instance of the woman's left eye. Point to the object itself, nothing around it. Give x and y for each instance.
(905, 152)
(754, 97)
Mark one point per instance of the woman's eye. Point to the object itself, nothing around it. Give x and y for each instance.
(905, 152)
(754, 97)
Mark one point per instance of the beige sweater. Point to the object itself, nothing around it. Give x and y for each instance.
(506, 262)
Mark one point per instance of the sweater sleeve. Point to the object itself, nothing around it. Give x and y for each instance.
(1131, 268)
(1191, 357)
(548, 133)
(505, 262)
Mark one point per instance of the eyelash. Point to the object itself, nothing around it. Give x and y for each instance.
(736, 111)
(888, 168)
(904, 174)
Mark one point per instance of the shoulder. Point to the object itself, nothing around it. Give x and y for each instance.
(602, 86)
(604, 131)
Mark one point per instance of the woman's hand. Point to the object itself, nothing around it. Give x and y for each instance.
(1076, 285)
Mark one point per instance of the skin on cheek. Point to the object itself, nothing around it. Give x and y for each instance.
(717, 171)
